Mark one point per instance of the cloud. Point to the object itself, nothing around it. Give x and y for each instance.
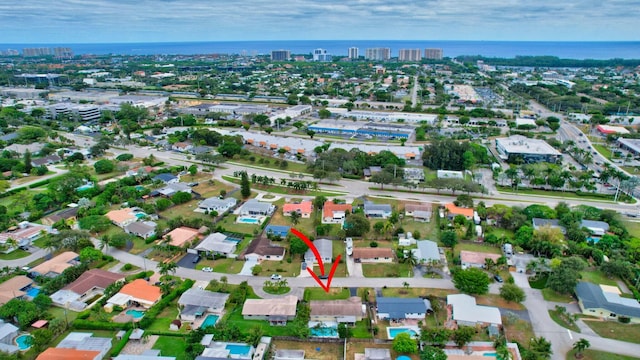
(195, 20)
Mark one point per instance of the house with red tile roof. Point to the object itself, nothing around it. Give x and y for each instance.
(182, 235)
(86, 287)
(333, 213)
(304, 208)
(453, 211)
(138, 291)
(66, 354)
(122, 217)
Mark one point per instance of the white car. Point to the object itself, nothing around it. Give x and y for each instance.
(276, 277)
(207, 269)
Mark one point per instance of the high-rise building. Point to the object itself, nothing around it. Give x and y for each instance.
(378, 54)
(280, 55)
(354, 53)
(63, 52)
(433, 54)
(321, 55)
(409, 55)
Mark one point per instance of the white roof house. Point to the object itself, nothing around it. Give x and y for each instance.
(255, 207)
(219, 205)
(466, 312)
(427, 251)
(217, 243)
(325, 248)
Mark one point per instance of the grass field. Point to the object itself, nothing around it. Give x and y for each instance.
(550, 295)
(633, 227)
(599, 355)
(164, 319)
(496, 300)
(229, 223)
(312, 350)
(469, 246)
(417, 292)
(517, 330)
(562, 321)
(616, 330)
(564, 194)
(15, 254)
(292, 167)
(386, 270)
(171, 346)
(277, 189)
(281, 267)
(320, 294)
(227, 266)
(597, 277)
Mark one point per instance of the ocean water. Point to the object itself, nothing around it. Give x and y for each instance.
(504, 49)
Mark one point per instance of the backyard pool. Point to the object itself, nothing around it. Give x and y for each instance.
(23, 342)
(136, 314)
(33, 292)
(328, 332)
(490, 354)
(403, 357)
(140, 215)
(239, 349)
(84, 187)
(392, 332)
(248, 220)
(210, 320)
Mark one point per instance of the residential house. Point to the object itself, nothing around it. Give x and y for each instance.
(605, 302)
(277, 230)
(82, 341)
(142, 172)
(181, 236)
(8, 332)
(596, 228)
(453, 211)
(146, 355)
(195, 303)
(89, 285)
(166, 178)
(65, 354)
(552, 223)
(218, 205)
(22, 235)
(465, 312)
(47, 160)
(143, 229)
(377, 211)
(261, 249)
(391, 308)
(476, 259)
(377, 354)
(217, 243)
(174, 188)
(414, 175)
(341, 311)
(277, 311)
(55, 266)
(182, 146)
(325, 248)
(419, 212)
(69, 215)
(370, 171)
(427, 252)
(406, 239)
(14, 288)
(333, 213)
(304, 208)
(373, 255)
(254, 207)
(122, 217)
(136, 292)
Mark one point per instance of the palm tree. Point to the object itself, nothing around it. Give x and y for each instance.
(580, 346)
(103, 243)
(541, 347)
(295, 217)
(164, 268)
(503, 353)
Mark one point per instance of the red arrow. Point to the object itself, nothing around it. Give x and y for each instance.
(319, 259)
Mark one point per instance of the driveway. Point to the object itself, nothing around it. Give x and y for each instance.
(354, 269)
(246, 268)
(187, 261)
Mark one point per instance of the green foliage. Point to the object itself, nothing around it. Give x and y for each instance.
(512, 293)
(94, 223)
(256, 270)
(403, 343)
(124, 157)
(163, 204)
(297, 246)
(432, 353)
(181, 197)
(449, 238)
(356, 225)
(463, 335)
(245, 186)
(25, 312)
(104, 166)
(471, 281)
(117, 348)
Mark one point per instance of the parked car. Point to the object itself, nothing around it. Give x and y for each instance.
(323, 277)
(304, 266)
(207, 269)
(498, 278)
(196, 259)
(276, 277)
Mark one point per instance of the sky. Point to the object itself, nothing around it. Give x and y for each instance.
(113, 21)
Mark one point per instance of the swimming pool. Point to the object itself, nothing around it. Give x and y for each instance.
(403, 357)
(248, 220)
(136, 314)
(33, 292)
(140, 215)
(393, 332)
(238, 349)
(23, 342)
(328, 331)
(490, 354)
(210, 320)
(84, 187)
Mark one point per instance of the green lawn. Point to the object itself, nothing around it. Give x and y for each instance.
(360, 331)
(633, 227)
(320, 294)
(386, 270)
(483, 248)
(427, 230)
(235, 317)
(281, 267)
(164, 319)
(139, 245)
(417, 292)
(15, 254)
(184, 210)
(616, 330)
(562, 321)
(597, 277)
(59, 313)
(603, 150)
(277, 189)
(292, 167)
(550, 295)
(41, 242)
(171, 346)
(517, 330)
(598, 355)
(227, 266)
(565, 194)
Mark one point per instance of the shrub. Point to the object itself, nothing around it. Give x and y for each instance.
(373, 244)
(127, 267)
(256, 270)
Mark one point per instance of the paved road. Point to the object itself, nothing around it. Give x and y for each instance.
(56, 171)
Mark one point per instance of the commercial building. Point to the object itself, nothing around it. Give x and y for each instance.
(354, 53)
(433, 54)
(409, 55)
(321, 55)
(527, 150)
(631, 145)
(380, 54)
(280, 55)
(81, 112)
(612, 130)
(385, 116)
(367, 129)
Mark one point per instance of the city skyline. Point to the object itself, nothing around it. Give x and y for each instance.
(113, 21)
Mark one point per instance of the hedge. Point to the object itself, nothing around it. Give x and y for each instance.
(115, 351)
(154, 311)
(12, 191)
(100, 325)
(140, 275)
(39, 183)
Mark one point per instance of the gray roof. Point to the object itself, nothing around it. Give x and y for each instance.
(143, 357)
(427, 250)
(217, 242)
(377, 354)
(164, 177)
(203, 298)
(593, 297)
(398, 307)
(6, 329)
(140, 227)
(369, 206)
(324, 246)
(595, 224)
(215, 202)
(256, 206)
(85, 341)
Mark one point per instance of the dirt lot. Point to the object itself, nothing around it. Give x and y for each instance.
(328, 351)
